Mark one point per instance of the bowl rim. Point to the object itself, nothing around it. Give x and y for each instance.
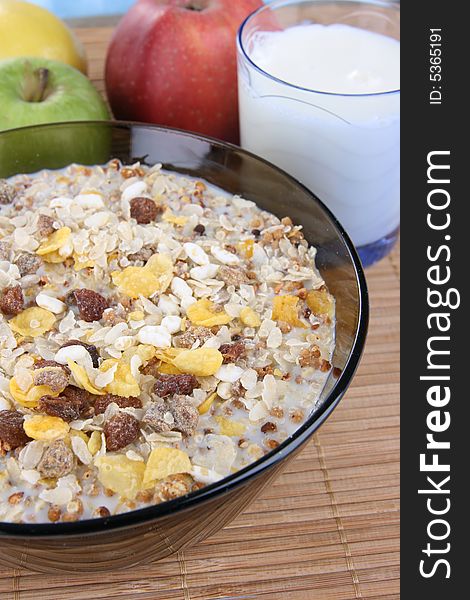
(274, 457)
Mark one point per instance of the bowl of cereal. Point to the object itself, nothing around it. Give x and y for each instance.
(177, 318)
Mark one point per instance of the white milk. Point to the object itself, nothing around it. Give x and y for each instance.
(342, 144)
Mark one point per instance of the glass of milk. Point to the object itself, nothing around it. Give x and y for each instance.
(319, 97)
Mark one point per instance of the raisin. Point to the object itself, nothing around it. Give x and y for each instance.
(168, 385)
(121, 430)
(92, 350)
(72, 404)
(11, 300)
(256, 232)
(54, 377)
(91, 305)
(200, 229)
(45, 225)
(58, 407)
(144, 210)
(102, 402)
(57, 460)
(28, 264)
(12, 434)
(232, 352)
(7, 192)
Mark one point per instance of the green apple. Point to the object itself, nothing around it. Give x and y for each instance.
(36, 91)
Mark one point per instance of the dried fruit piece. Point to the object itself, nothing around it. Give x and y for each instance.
(232, 352)
(321, 302)
(164, 462)
(7, 192)
(92, 350)
(33, 322)
(121, 475)
(57, 460)
(285, 309)
(120, 431)
(91, 305)
(11, 300)
(45, 225)
(144, 210)
(168, 385)
(154, 277)
(102, 403)
(53, 377)
(46, 429)
(81, 377)
(201, 362)
(12, 434)
(72, 404)
(249, 317)
(229, 427)
(206, 313)
(28, 263)
(54, 241)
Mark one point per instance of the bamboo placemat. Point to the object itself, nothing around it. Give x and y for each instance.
(326, 530)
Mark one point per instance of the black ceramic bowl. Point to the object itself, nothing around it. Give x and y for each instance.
(155, 532)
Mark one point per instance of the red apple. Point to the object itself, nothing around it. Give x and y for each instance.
(173, 62)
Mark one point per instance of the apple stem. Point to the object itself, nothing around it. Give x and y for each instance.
(35, 84)
(196, 5)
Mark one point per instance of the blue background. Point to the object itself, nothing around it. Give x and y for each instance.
(68, 9)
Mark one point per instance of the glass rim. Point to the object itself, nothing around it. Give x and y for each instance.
(280, 3)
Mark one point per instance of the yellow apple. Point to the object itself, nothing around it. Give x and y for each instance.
(29, 30)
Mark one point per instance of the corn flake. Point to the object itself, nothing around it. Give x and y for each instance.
(201, 362)
(206, 313)
(81, 377)
(54, 241)
(124, 383)
(164, 462)
(230, 428)
(54, 257)
(285, 309)
(249, 318)
(121, 475)
(81, 261)
(33, 322)
(46, 429)
(154, 277)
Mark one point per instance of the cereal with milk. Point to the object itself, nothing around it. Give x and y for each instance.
(156, 335)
